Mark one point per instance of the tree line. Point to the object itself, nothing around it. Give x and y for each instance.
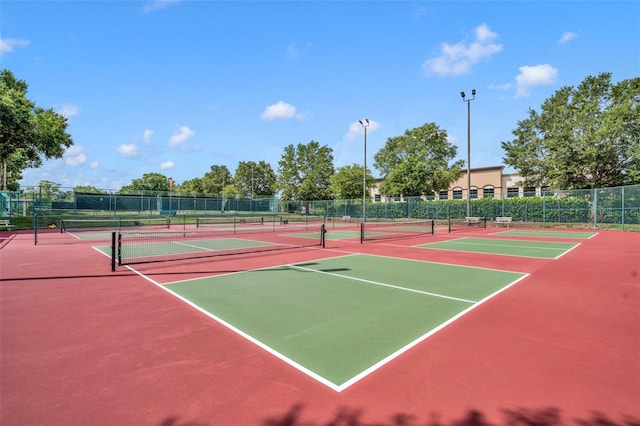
(583, 137)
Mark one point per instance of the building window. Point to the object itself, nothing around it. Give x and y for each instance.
(457, 194)
(378, 198)
(488, 192)
(474, 193)
(530, 191)
(443, 195)
(513, 192)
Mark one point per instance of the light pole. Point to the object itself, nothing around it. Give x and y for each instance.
(364, 124)
(468, 101)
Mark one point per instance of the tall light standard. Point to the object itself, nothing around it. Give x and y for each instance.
(364, 124)
(468, 101)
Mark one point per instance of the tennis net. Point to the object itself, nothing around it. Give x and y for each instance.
(111, 224)
(214, 221)
(146, 247)
(371, 231)
(467, 224)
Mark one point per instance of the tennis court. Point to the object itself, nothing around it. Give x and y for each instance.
(524, 248)
(579, 235)
(262, 325)
(341, 318)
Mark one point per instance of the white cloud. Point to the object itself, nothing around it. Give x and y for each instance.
(567, 37)
(456, 59)
(158, 4)
(356, 129)
(180, 136)
(75, 156)
(8, 45)
(147, 136)
(537, 75)
(95, 164)
(128, 150)
(67, 110)
(281, 111)
(167, 165)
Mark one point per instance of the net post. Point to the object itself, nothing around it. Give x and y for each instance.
(323, 232)
(119, 244)
(113, 251)
(361, 232)
(449, 225)
(433, 227)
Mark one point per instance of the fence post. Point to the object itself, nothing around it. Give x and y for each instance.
(595, 208)
(622, 206)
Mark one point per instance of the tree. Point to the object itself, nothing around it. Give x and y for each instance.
(148, 182)
(253, 178)
(346, 183)
(304, 172)
(190, 187)
(88, 189)
(417, 163)
(12, 167)
(45, 190)
(583, 137)
(215, 180)
(28, 133)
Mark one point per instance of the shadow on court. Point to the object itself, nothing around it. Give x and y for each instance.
(348, 416)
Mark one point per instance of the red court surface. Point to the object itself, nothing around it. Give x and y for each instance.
(81, 345)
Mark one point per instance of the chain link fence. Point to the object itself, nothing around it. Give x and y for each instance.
(602, 208)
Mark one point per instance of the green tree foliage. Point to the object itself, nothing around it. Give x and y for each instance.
(583, 137)
(28, 133)
(190, 187)
(254, 179)
(45, 189)
(88, 189)
(346, 183)
(216, 179)
(418, 162)
(148, 182)
(304, 172)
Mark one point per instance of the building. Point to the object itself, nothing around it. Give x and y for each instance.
(486, 182)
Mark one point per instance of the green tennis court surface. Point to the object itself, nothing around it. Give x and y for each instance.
(171, 247)
(90, 235)
(542, 249)
(339, 319)
(548, 234)
(341, 235)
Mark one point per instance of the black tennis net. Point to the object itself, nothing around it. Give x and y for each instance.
(218, 221)
(113, 224)
(146, 247)
(372, 231)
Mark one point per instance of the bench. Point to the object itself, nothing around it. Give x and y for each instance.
(4, 224)
(346, 218)
(503, 220)
(471, 220)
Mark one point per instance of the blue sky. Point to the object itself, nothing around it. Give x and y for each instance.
(174, 87)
